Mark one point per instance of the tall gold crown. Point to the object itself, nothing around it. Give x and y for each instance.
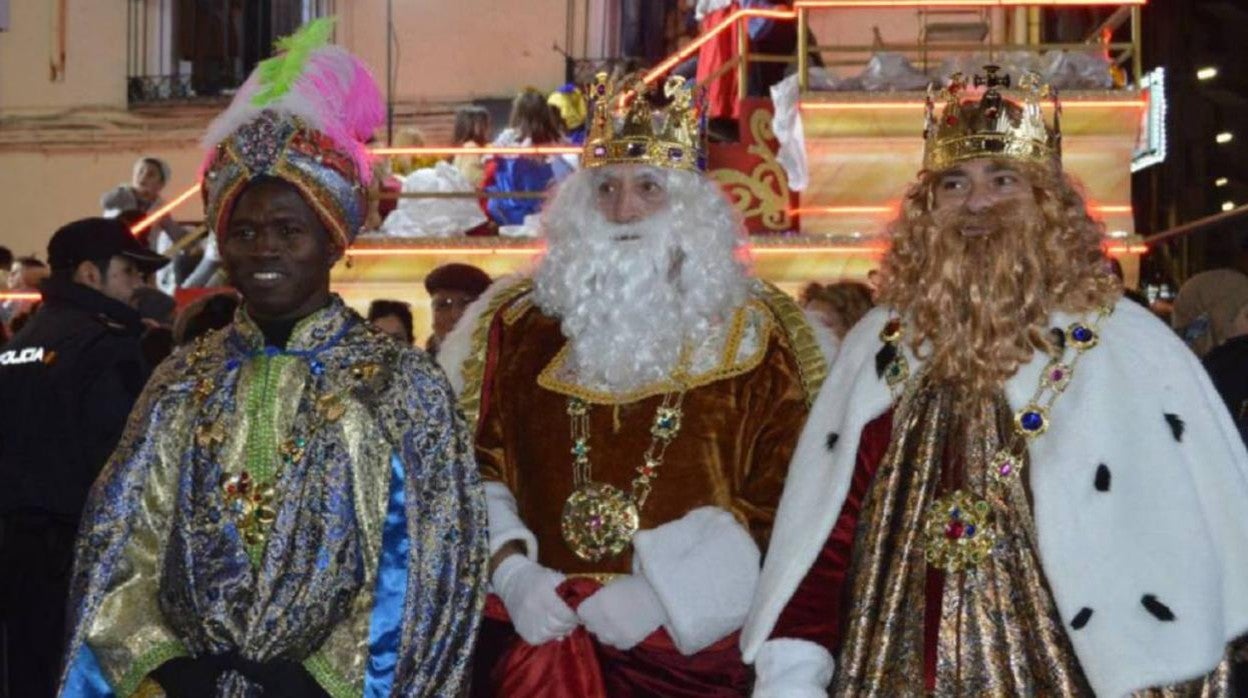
(625, 128)
(992, 126)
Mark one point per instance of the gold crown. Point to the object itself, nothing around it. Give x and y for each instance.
(993, 126)
(625, 128)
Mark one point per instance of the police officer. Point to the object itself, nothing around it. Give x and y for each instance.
(67, 382)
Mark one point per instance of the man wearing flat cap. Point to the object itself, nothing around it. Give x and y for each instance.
(69, 378)
(452, 288)
(294, 510)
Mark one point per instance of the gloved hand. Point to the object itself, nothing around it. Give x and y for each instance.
(528, 591)
(623, 613)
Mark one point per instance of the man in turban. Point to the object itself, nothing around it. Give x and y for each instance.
(294, 507)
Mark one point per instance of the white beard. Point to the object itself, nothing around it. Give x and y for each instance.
(629, 305)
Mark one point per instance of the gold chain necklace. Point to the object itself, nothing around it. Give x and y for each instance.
(958, 530)
(599, 520)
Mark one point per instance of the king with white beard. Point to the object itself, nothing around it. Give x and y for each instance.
(636, 403)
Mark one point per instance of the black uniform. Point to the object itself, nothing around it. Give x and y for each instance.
(68, 380)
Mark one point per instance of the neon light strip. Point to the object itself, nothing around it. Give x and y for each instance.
(479, 251)
(433, 251)
(852, 210)
(828, 4)
(160, 212)
(481, 150)
(1117, 250)
(672, 61)
(871, 106)
(840, 210)
(20, 296)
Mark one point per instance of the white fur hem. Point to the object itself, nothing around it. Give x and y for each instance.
(788, 668)
(505, 523)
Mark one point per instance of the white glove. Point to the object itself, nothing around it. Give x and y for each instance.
(623, 613)
(528, 591)
(789, 668)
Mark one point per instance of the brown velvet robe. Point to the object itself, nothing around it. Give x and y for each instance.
(735, 443)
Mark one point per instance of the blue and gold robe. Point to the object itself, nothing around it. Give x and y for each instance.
(319, 504)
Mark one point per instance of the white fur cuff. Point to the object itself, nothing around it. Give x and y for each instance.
(704, 569)
(787, 668)
(505, 523)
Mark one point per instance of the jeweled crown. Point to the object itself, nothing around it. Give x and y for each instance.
(992, 126)
(625, 128)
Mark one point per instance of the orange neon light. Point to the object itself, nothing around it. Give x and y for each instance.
(840, 210)
(672, 61)
(852, 210)
(431, 251)
(481, 150)
(20, 296)
(1117, 250)
(872, 106)
(820, 249)
(160, 212)
(819, 4)
(537, 249)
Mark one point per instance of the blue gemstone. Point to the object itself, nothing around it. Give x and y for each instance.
(956, 513)
(970, 531)
(317, 368)
(232, 364)
(1032, 421)
(675, 153)
(636, 150)
(271, 351)
(1081, 334)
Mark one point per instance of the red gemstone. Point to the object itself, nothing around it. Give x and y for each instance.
(230, 488)
(954, 530)
(951, 120)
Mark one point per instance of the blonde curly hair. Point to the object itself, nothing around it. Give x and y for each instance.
(976, 309)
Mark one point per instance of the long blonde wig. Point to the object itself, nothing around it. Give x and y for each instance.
(975, 309)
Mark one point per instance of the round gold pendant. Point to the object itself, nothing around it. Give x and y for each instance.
(958, 533)
(599, 521)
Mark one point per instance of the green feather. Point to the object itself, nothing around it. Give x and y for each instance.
(279, 73)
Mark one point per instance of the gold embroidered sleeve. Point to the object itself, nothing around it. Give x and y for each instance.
(128, 634)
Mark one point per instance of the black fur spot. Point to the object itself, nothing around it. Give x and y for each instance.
(1159, 610)
(883, 358)
(833, 437)
(1081, 618)
(1059, 338)
(1102, 478)
(1176, 426)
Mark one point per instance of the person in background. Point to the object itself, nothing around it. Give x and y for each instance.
(25, 275)
(69, 378)
(839, 306)
(148, 179)
(570, 103)
(6, 258)
(472, 129)
(393, 318)
(1206, 307)
(531, 124)
(1227, 365)
(203, 315)
(452, 288)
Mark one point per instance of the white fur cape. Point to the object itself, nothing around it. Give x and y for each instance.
(1170, 524)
